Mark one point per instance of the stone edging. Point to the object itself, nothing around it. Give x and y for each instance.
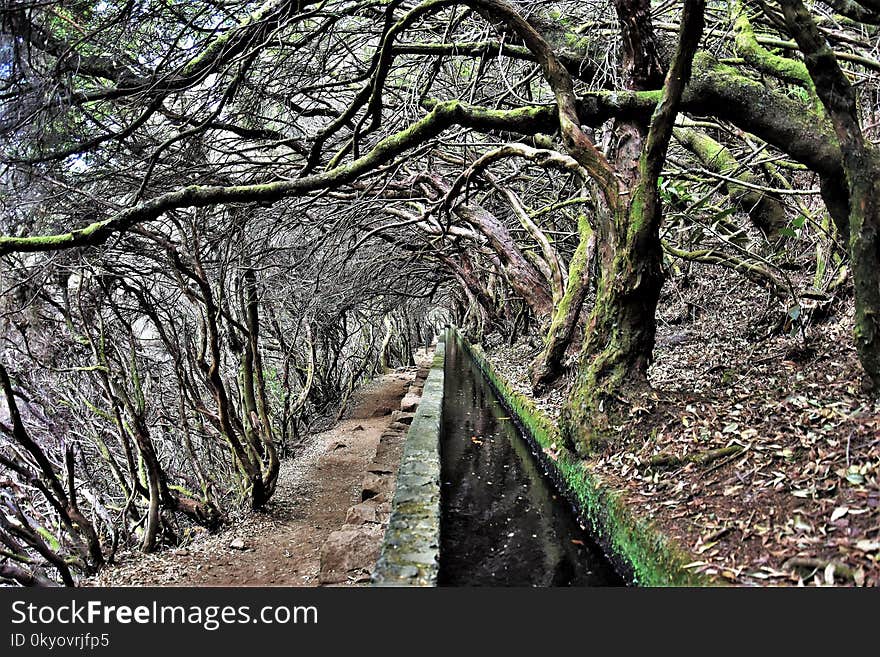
(638, 550)
(411, 545)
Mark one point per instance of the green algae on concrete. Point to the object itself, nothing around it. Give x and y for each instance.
(411, 546)
(644, 555)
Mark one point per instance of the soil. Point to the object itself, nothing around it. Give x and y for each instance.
(800, 503)
(281, 546)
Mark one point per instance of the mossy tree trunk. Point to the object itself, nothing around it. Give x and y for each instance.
(765, 210)
(619, 338)
(548, 366)
(861, 162)
(620, 334)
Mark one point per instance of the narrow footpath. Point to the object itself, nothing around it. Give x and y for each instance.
(325, 523)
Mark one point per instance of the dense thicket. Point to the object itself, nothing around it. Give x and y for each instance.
(219, 217)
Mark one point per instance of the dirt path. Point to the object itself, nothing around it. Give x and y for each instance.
(282, 546)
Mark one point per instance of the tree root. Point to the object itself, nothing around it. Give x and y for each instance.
(665, 460)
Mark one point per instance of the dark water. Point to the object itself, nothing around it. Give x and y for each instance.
(503, 523)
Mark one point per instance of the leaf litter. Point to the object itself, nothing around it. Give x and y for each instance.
(799, 502)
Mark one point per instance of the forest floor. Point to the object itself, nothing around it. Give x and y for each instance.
(282, 545)
(795, 497)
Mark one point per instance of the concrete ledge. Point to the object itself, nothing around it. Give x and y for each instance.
(411, 546)
(639, 551)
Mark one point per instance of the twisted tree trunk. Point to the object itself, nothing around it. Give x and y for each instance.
(619, 338)
(861, 162)
(547, 367)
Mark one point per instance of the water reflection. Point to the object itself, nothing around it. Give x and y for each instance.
(503, 522)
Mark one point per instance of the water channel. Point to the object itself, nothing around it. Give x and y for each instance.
(503, 523)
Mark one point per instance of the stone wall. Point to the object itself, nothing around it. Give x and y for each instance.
(410, 549)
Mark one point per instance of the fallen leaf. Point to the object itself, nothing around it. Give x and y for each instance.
(859, 577)
(829, 574)
(839, 512)
(868, 546)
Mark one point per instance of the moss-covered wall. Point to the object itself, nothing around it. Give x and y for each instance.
(640, 552)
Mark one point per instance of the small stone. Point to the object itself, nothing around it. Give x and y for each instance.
(350, 551)
(375, 485)
(409, 572)
(238, 544)
(361, 514)
(410, 403)
(401, 417)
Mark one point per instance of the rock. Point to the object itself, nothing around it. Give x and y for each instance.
(350, 550)
(362, 513)
(399, 426)
(383, 511)
(410, 403)
(390, 449)
(376, 485)
(403, 418)
(359, 427)
(381, 412)
(238, 544)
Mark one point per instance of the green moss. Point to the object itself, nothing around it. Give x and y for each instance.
(183, 491)
(709, 151)
(756, 55)
(576, 42)
(651, 558)
(559, 17)
(638, 220)
(616, 101)
(579, 261)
